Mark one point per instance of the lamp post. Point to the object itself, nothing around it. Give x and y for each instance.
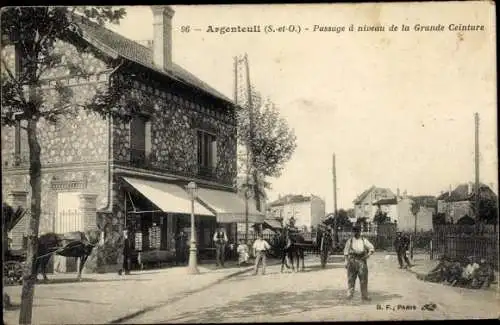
(192, 266)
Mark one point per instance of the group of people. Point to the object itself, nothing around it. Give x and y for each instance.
(470, 273)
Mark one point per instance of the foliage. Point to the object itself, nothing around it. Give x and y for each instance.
(439, 219)
(35, 32)
(488, 209)
(362, 222)
(381, 217)
(339, 220)
(270, 141)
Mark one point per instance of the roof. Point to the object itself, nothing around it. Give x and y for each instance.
(461, 192)
(133, 51)
(290, 198)
(363, 195)
(386, 201)
(387, 193)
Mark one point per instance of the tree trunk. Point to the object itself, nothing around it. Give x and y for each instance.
(30, 273)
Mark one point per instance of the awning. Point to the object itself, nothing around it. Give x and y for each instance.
(229, 207)
(273, 223)
(168, 197)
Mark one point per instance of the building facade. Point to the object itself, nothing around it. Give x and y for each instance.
(457, 203)
(364, 204)
(113, 175)
(308, 211)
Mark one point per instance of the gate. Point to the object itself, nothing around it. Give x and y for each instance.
(66, 219)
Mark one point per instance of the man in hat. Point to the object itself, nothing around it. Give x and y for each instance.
(356, 252)
(220, 240)
(401, 244)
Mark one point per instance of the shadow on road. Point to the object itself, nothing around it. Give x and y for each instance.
(278, 304)
(70, 280)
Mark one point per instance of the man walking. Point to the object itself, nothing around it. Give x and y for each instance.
(356, 252)
(220, 240)
(401, 244)
(260, 247)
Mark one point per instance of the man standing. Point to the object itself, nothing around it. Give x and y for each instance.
(181, 248)
(260, 247)
(220, 240)
(401, 244)
(127, 254)
(356, 252)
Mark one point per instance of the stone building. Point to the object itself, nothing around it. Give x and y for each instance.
(111, 175)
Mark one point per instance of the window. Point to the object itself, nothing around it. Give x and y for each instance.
(140, 140)
(21, 149)
(207, 150)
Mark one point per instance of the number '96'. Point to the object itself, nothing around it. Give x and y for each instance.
(185, 29)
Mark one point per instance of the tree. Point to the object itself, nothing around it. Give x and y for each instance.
(439, 219)
(488, 209)
(381, 217)
(35, 33)
(270, 142)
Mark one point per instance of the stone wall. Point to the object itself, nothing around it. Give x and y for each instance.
(173, 133)
(92, 180)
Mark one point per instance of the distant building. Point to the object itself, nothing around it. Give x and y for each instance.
(405, 217)
(308, 211)
(364, 204)
(456, 204)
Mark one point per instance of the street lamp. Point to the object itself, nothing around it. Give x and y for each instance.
(192, 266)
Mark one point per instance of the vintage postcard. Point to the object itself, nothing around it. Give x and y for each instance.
(249, 163)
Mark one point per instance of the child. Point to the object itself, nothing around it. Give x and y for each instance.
(242, 253)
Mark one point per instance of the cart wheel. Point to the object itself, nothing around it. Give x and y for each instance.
(13, 272)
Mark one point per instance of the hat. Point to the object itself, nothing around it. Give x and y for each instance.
(356, 228)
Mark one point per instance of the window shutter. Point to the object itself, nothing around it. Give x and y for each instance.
(148, 138)
(213, 151)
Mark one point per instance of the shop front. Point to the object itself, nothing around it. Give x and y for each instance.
(159, 219)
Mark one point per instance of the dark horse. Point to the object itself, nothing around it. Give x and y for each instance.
(289, 245)
(71, 244)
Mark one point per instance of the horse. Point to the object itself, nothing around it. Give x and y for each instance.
(291, 248)
(71, 244)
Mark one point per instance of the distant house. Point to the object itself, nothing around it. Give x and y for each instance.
(456, 204)
(388, 206)
(308, 211)
(363, 204)
(406, 219)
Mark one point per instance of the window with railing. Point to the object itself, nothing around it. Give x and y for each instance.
(140, 140)
(207, 153)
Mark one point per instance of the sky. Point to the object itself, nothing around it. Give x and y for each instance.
(396, 108)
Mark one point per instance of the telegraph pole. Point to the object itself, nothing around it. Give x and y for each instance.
(249, 145)
(476, 156)
(334, 187)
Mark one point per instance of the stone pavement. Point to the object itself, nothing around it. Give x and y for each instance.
(104, 298)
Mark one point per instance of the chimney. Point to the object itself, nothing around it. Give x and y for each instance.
(162, 36)
(449, 191)
(469, 188)
(397, 193)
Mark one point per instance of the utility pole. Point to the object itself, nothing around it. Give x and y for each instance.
(476, 156)
(249, 145)
(334, 187)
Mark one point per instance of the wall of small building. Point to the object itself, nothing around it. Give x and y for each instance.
(318, 211)
(406, 220)
(460, 209)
